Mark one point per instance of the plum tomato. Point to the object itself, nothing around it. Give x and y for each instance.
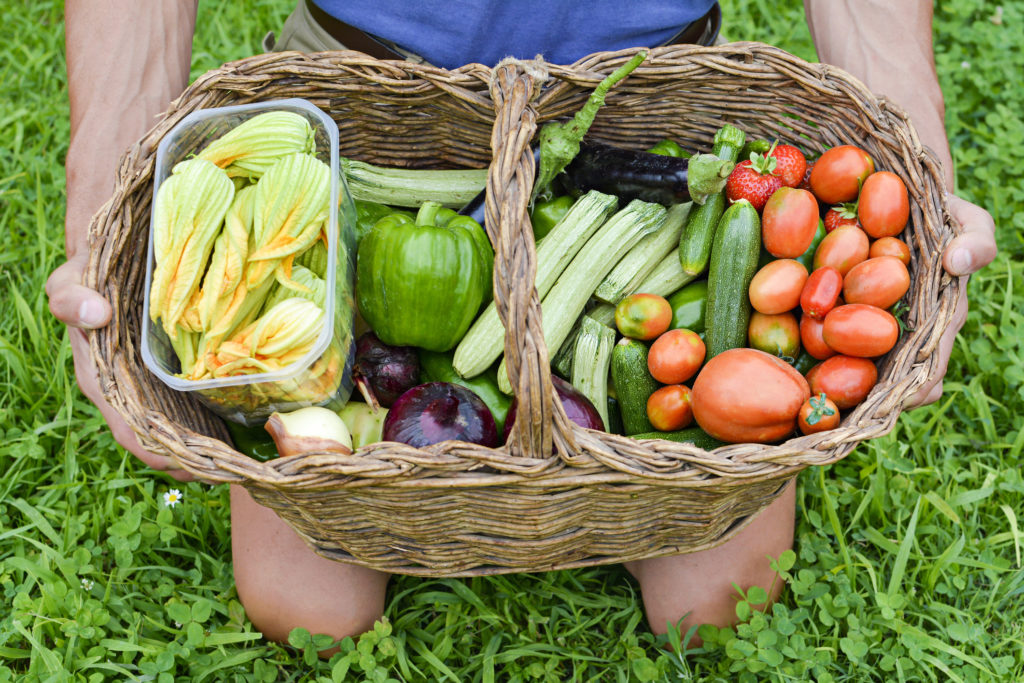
(821, 292)
(860, 330)
(844, 379)
(838, 173)
(776, 287)
(818, 414)
(670, 408)
(746, 395)
(777, 334)
(890, 246)
(883, 206)
(812, 340)
(880, 281)
(843, 248)
(788, 222)
(676, 356)
(643, 316)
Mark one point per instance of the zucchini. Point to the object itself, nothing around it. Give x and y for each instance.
(591, 361)
(693, 435)
(411, 187)
(636, 265)
(484, 342)
(569, 295)
(633, 385)
(695, 243)
(734, 256)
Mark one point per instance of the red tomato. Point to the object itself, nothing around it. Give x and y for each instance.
(676, 356)
(843, 248)
(838, 173)
(777, 334)
(788, 222)
(860, 330)
(880, 282)
(890, 246)
(821, 292)
(818, 414)
(776, 287)
(643, 316)
(883, 207)
(812, 339)
(746, 395)
(670, 408)
(844, 379)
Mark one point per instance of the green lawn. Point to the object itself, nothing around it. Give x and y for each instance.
(908, 560)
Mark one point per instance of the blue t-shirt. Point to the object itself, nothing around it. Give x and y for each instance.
(457, 32)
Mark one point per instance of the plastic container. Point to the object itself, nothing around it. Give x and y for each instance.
(324, 375)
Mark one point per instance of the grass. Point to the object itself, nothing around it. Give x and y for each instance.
(908, 562)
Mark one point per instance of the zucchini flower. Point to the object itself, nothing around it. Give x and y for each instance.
(253, 146)
(291, 208)
(227, 265)
(314, 289)
(275, 340)
(188, 214)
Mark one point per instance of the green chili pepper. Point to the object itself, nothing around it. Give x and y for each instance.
(807, 258)
(689, 305)
(670, 148)
(757, 146)
(805, 362)
(546, 214)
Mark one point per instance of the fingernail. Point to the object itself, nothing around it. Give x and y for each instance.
(91, 313)
(961, 261)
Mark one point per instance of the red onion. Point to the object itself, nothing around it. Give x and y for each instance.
(440, 411)
(577, 406)
(387, 371)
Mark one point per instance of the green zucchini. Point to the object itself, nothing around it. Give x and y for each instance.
(591, 361)
(633, 385)
(734, 254)
(411, 187)
(695, 242)
(694, 435)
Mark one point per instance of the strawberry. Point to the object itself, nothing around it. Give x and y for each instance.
(841, 214)
(753, 180)
(790, 164)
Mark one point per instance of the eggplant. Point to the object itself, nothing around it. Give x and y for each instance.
(631, 174)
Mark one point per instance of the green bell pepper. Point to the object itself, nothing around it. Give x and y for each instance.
(437, 367)
(545, 215)
(367, 215)
(689, 305)
(252, 441)
(421, 282)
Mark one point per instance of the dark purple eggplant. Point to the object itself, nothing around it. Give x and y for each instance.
(384, 372)
(631, 174)
(440, 411)
(475, 209)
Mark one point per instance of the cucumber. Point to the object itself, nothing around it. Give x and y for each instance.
(734, 255)
(695, 435)
(695, 242)
(633, 385)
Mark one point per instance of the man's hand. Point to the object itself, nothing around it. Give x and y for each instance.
(967, 253)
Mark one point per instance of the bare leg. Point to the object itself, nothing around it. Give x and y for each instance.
(701, 583)
(283, 584)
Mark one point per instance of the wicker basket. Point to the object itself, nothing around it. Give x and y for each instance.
(556, 495)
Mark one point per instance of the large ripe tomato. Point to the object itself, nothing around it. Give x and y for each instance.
(880, 282)
(643, 316)
(776, 287)
(777, 334)
(821, 292)
(818, 414)
(788, 222)
(676, 356)
(883, 207)
(812, 339)
(670, 408)
(746, 395)
(860, 330)
(890, 246)
(838, 173)
(844, 379)
(843, 248)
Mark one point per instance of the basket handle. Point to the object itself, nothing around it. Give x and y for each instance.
(540, 421)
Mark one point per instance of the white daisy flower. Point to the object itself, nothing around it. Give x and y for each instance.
(172, 498)
(87, 584)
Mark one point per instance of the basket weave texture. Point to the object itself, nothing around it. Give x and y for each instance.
(556, 495)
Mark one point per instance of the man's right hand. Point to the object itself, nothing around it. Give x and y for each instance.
(81, 308)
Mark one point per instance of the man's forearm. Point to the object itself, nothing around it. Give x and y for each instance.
(887, 45)
(126, 61)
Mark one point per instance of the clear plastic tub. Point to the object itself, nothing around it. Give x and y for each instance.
(324, 375)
